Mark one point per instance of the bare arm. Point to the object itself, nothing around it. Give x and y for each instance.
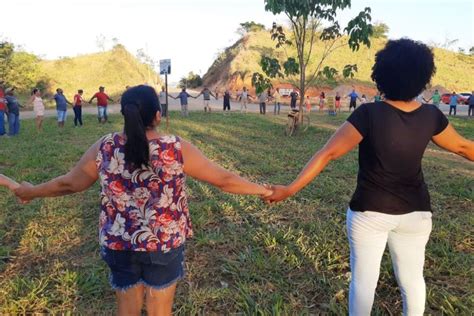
(8, 183)
(342, 141)
(81, 177)
(201, 168)
(93, 97)
(30, 100)
(450, 140)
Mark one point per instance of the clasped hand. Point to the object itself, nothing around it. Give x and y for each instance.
(278, 193)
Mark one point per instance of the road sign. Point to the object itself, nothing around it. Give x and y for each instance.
(165, 66)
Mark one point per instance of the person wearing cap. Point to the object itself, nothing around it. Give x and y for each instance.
(102, 103)
(61, 106)
(3, 108)
(13, 112)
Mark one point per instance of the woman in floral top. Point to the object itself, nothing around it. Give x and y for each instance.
(144, 219)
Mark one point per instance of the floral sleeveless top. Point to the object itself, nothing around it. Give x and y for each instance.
(142, 209)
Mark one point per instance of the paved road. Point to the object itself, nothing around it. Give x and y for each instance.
(197, 105)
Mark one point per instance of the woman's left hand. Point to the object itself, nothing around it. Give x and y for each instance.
(279, 193)
(23, 192)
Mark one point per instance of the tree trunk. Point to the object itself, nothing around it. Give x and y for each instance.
(302, 80)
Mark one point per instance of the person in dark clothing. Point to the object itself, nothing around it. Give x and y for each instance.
(13, 112)
(226, 100)
(77, 108)
(293, 99)
(391, 203)
(470, 103)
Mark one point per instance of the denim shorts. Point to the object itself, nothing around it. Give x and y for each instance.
(61, 116)
(154, 269)
(102, 111)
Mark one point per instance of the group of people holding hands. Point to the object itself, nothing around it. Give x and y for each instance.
(10, 106)
(145, 220)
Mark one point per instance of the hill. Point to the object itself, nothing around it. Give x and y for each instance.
(113, 69)
(234, 67)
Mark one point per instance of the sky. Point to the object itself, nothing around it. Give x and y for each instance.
(192, 32)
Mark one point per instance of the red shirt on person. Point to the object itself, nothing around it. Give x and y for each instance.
(78, 100)
(102, 98)
(2, 100)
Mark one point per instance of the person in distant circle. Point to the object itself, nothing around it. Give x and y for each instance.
(293, 99)
(61, 106)
(378, 97)
(206, 94)
(353, 99)
(436, 98)
(78, 100)
(470, 103)
(244, 99)
(3, 108)
(262, 101)
(38, 108)
(453, 103)
(183, 99)
(338, 102)
(277, 100)
(102, 103)
(226, 100)
(163, 102)
(322, 100)
(13, 112)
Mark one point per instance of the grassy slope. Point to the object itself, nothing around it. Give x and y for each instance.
(113, 69)
(454, 70)
(288, 259)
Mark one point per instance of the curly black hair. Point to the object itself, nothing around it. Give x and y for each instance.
(402, 69)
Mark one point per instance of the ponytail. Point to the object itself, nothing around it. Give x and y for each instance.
(136, 147)
(138, 106)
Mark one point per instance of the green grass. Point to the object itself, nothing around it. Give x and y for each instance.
(246, 257)
(454, 70)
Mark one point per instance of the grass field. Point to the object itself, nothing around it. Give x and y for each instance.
(246, 257)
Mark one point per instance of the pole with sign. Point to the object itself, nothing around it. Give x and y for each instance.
(165, 69)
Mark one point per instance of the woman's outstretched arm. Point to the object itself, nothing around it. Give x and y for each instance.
(450, 140)
(340, 143)
(81, 177)
(8, 183)
(201, 168)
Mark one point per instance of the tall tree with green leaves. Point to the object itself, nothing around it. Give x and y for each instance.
(313, 22)
(6, 55)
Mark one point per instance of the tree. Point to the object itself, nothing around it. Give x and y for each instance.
(312, 21)
(6, 55)
(191, 81)
(248, 27)
(471, 50)
(19, 69)
(380, 30)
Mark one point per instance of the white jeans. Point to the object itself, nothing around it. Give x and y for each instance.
(407, 236)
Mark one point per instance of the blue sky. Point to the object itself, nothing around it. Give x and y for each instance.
(192, 32)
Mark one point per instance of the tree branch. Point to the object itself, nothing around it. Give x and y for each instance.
(313, 31)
